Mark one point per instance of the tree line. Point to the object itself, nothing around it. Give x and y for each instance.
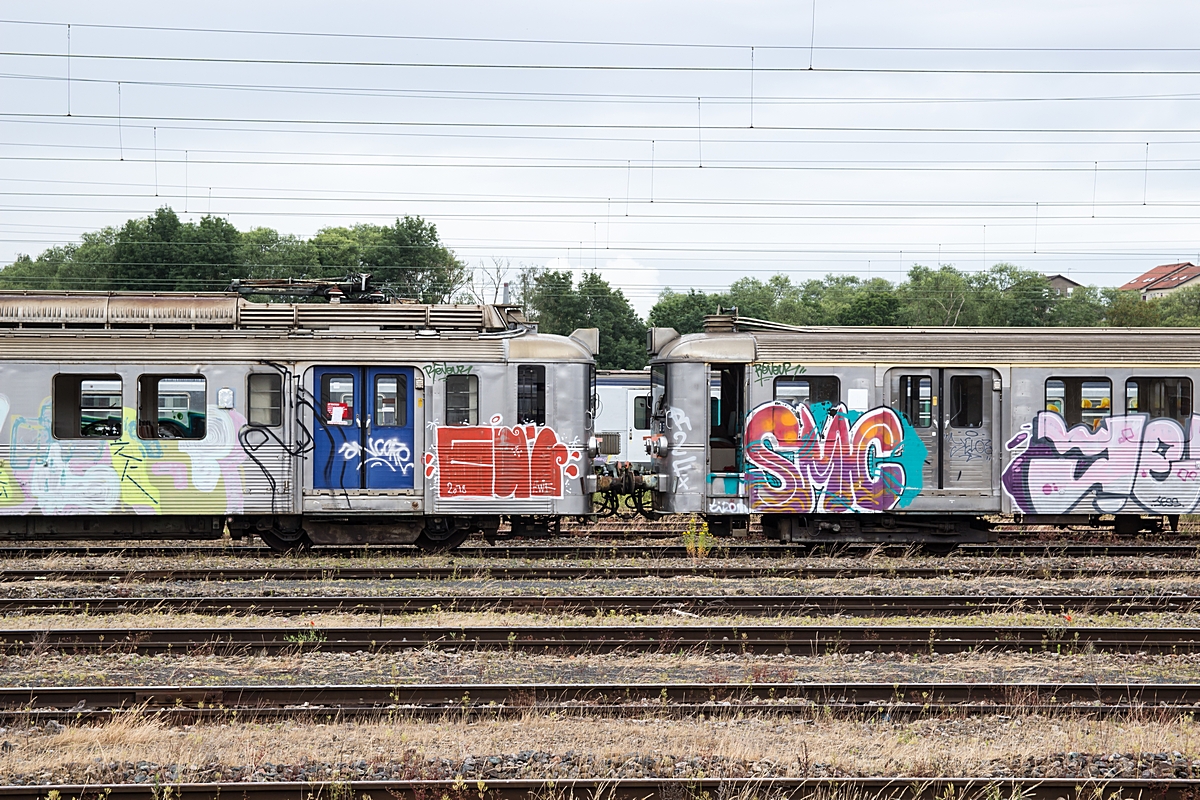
(161, 252)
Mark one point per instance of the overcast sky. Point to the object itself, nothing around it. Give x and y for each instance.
(1062, 136)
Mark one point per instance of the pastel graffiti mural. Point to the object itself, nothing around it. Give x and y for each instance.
(826, 459)
(125, 475)
(496, 461)
(1128, 464)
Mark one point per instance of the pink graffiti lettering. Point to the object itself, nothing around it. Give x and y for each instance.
(799, 469)
(1130, 464)
(501, 462)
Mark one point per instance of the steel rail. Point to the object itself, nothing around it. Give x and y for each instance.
(748, 605)
(793, 639)
(593, 551)
(697, 568)
(636, 789)
(194, 703)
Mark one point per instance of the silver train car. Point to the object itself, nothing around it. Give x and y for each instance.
(181, 415)
(922, 435)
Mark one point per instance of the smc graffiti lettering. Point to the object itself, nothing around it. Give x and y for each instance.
(1128, 464)
(495, 461)
(830, 460)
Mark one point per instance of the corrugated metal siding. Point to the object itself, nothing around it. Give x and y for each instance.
(176, 346)
(947, 346)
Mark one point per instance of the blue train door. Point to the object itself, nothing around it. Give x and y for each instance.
(388, 461)
(364, 436)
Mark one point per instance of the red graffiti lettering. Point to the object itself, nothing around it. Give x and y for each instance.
(501, 462)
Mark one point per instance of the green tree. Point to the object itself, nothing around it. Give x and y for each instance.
(1128, 310)
(1180, 309)
(871, 304)
(941, 297)
(560, 308)
(265, 253)
(1082, 308)
(683, 312)
(408, 257)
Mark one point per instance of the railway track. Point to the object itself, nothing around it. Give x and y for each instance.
(748, 605)
(594, 551)
(638, 789)
(695, 568)
(795, 639)
(189, 704)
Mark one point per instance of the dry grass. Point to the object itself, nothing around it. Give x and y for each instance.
(460, 619)
(927, 748)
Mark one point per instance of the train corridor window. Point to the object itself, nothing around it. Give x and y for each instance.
(462, 399)
(531, 394)
(966, 401)
(337, 399)
(808, 390)
(391, 401)
(916, 400)
(265, 393)
(172, 406)
(87, 406)
(641, 413)
(1159, 397)
(1080, 401)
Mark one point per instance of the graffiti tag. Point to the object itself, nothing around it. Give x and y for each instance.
(391, 453)
(681, 466)
(734, 506)
(856, 462)
(968, 446)
(1128, 464)
(679, 424)
(442, 369)
(495, 461)
(766, 372)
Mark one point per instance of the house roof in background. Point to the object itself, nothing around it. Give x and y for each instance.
(1148, 279)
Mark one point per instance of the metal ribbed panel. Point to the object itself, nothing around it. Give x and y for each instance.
(267, 315)
(316, 315)
(240, 347)
(40, 310)
(456, 316)
(981, 346)
(214, 311)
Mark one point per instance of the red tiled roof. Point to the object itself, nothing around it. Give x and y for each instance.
(1146, 280)
(1177, 278)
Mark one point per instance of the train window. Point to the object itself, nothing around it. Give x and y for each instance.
(87, 406)
(966, 401)
(916, 400)
(462, 399)
(531, 394)
(658, 389)
(337, 399)
(172, 406)
(1080, 401)
(391, 401)
(1159, 397)
(809, 389)
(265, 390)
(641, 413)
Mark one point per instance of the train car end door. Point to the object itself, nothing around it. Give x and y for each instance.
(387, 452)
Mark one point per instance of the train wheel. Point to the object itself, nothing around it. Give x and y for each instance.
(441, 534)
(285, 541)
(431, 545)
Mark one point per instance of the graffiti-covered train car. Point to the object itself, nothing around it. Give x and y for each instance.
(921, 435)
(170, 415)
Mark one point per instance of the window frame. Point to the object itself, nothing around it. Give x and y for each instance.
(644, 414)
(809, 379)
(251, 393)
(1081, 380)
(538, 391)
(1181, 416)
(958, 380)
(152, 431)
(472, 394)
(401, 399)
(326, 386)
(66, 415)
(904, 399)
